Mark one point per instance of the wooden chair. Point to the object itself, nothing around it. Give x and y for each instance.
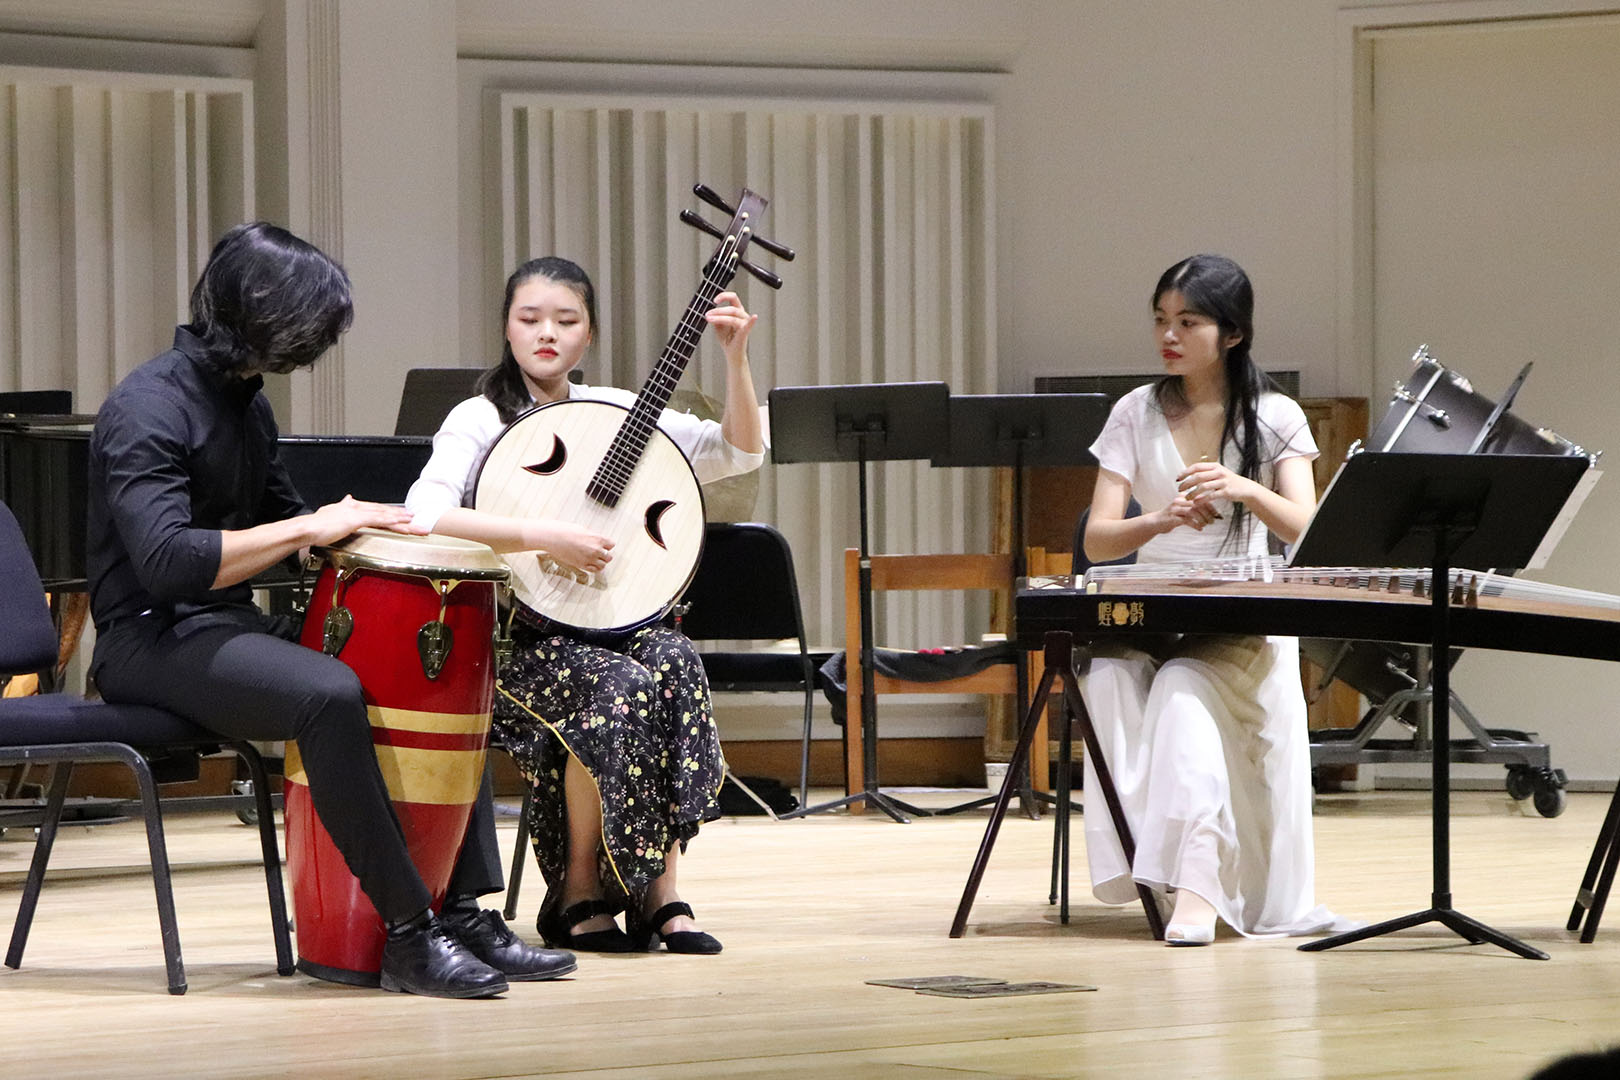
(913, 573)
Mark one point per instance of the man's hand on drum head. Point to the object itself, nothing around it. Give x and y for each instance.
(334, 521)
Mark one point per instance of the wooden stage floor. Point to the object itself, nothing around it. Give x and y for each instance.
(809, 910)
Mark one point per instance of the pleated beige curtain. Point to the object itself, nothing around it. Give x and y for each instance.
(117, 185)
(889, 209)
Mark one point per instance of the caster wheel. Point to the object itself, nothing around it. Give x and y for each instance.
(1521, 783)
(1550, 801)
(247, 810)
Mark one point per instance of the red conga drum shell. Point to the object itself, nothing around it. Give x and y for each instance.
(430, 733)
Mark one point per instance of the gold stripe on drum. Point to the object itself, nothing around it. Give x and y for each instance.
(441, 777)
(436, 777)
(415, 720)
(424, 757)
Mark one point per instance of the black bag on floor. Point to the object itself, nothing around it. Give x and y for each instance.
(734, 801)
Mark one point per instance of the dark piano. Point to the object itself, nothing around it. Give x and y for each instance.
(44, 463)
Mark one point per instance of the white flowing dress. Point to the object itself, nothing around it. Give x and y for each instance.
(1205, 736)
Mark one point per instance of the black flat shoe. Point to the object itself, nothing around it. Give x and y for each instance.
(428, 960)
(556, 927)
(644, 935)
(486, 936)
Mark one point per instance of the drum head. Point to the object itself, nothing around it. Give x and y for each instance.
(423, 556)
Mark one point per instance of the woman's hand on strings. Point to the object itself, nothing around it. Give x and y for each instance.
(732, 324)
(570, 544)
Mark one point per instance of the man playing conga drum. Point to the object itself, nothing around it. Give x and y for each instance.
(187, 501)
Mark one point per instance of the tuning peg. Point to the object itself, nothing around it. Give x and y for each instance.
(712, 197)
(698, 222)
(784, 253)
(762, 274)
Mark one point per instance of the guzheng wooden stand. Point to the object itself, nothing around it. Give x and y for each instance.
(1469, 510)
(1058, 665)
(861, 423)
(1599, 877)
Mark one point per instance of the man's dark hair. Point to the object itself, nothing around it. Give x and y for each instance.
(268, 301)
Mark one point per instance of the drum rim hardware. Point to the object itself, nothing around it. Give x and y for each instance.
(482, 564)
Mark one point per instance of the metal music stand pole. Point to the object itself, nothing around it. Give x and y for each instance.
(880, 422)
(1468, 510)
(1017, 431)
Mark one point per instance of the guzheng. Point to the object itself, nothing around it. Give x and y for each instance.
(1489, 611)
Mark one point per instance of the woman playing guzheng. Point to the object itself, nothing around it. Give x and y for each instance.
(616, 737)
(1205, 735)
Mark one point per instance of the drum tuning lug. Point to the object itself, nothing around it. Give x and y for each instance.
(433, 643)
(335, 630)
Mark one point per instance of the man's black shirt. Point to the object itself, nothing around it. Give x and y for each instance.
(181, 450)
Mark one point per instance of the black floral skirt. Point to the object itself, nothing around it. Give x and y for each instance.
(637, 716)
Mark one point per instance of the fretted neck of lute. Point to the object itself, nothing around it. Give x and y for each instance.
(608, 484)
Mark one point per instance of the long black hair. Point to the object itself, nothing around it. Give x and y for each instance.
(503, 384)
(268, 301)
(1217, 288)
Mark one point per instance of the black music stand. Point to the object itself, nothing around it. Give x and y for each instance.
(1016, 430)
(1480, 511)
(860, 423)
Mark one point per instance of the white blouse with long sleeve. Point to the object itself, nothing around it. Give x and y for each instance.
(472, 427)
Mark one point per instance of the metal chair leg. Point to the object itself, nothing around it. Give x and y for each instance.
(36, 869)
(514, 877)
(804, 747)
(162, 882)
(271, 851)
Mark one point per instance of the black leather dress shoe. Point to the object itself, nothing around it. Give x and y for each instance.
(486, 936)
(428, 960)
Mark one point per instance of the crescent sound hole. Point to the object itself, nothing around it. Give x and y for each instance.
(655, 514)
(559, 455)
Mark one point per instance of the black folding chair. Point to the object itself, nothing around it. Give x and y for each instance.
(745, 590)
(65, 730)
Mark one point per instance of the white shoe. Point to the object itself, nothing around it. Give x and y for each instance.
(1189, 933)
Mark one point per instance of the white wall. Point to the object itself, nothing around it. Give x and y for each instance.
(1132, 135)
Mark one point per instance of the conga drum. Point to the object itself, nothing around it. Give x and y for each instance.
(415, 617)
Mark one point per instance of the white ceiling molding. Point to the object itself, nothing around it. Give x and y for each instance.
(896, 35)
(195, 22)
